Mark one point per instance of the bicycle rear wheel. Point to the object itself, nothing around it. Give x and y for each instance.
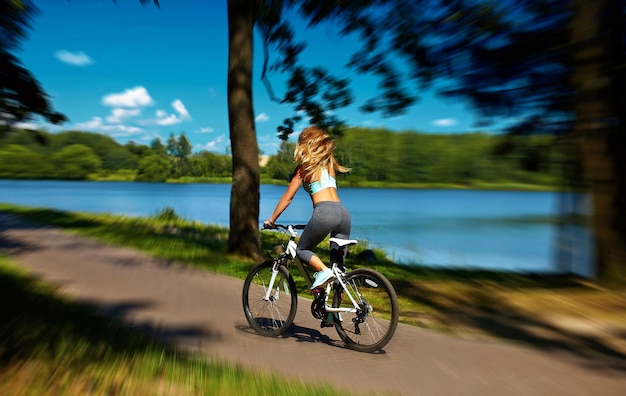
(269, 317)
(374, 324)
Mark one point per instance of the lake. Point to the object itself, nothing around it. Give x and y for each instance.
(498, 230)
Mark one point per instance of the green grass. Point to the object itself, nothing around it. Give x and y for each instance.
(52, 346)
(129, 176)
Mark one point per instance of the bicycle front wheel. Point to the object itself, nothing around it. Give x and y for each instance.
(371, 326)
(269, 316)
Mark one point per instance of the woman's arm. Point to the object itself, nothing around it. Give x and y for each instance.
(285, 200)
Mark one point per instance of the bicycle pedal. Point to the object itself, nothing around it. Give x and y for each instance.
(317, 290)
(326, 324)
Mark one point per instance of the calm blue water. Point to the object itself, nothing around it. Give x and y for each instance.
(443, 228)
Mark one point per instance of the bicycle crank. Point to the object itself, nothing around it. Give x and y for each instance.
(318, 308)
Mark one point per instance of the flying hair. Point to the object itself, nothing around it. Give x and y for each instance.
(314, 152)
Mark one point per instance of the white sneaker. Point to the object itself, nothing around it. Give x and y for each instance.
(322, 277)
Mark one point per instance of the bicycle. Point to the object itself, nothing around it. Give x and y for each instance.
(363, 309)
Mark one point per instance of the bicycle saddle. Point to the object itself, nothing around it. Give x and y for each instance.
(344, 242)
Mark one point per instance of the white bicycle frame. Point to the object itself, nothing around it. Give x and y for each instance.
(291, 253)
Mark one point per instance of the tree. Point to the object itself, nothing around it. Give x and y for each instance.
(243, 238)
(207, 164)
(21, 96)
(178, 147)
(75, 162)
(113, 155)
(19, 162)
(157, 146)
(281, 165)
(179, 150)
(153, 168)
(598, 45)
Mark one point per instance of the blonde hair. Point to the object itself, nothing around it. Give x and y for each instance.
(314, 152)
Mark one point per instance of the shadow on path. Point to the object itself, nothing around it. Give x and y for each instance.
(497, 318)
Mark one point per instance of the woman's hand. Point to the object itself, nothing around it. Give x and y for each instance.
(268, 224)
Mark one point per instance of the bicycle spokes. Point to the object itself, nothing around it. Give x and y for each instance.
(269, 310)
(369, 323)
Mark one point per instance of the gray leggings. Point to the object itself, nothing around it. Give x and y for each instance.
(328, 218)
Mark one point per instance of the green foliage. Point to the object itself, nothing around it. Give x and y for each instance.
(178, 147)
(378, 158)
(157, 146)
(462, 159)
(207, 164)
(19, 162)
(281, 165)
(75, 162)
(21, 96)
(153, 169)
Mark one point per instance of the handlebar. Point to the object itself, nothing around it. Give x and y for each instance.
(285, 226)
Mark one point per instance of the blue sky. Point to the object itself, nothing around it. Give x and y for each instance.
(137, 72)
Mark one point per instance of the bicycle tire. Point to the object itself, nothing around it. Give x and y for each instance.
(269, 318)
(374, 328)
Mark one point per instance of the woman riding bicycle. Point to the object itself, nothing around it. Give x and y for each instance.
(315, 170)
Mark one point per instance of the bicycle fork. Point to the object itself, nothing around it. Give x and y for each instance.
(270, 286)
(291, 252)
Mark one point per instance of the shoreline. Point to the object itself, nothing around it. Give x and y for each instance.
(480, 186)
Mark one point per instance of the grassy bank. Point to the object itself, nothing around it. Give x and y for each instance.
(478, 185)
(560, 313)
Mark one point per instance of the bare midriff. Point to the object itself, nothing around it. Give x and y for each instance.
(327, 194)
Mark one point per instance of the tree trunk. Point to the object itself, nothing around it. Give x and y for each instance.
(243, 237)
(599, 82)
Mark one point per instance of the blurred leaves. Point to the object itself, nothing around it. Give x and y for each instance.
(21, 96)
(504, 58)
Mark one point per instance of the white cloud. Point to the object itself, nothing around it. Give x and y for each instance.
(445, 122)
(206, 130)
(180, 108)
(213, 145)
(164, 120)
(78, 58)
(121, 130)
(134, 97)
(262, 118)
(96, 124)
(120, 115)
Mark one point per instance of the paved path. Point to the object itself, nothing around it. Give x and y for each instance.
(203, 311)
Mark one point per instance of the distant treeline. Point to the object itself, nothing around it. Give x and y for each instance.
(379, 156)
(76, 155)
(376, 156)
